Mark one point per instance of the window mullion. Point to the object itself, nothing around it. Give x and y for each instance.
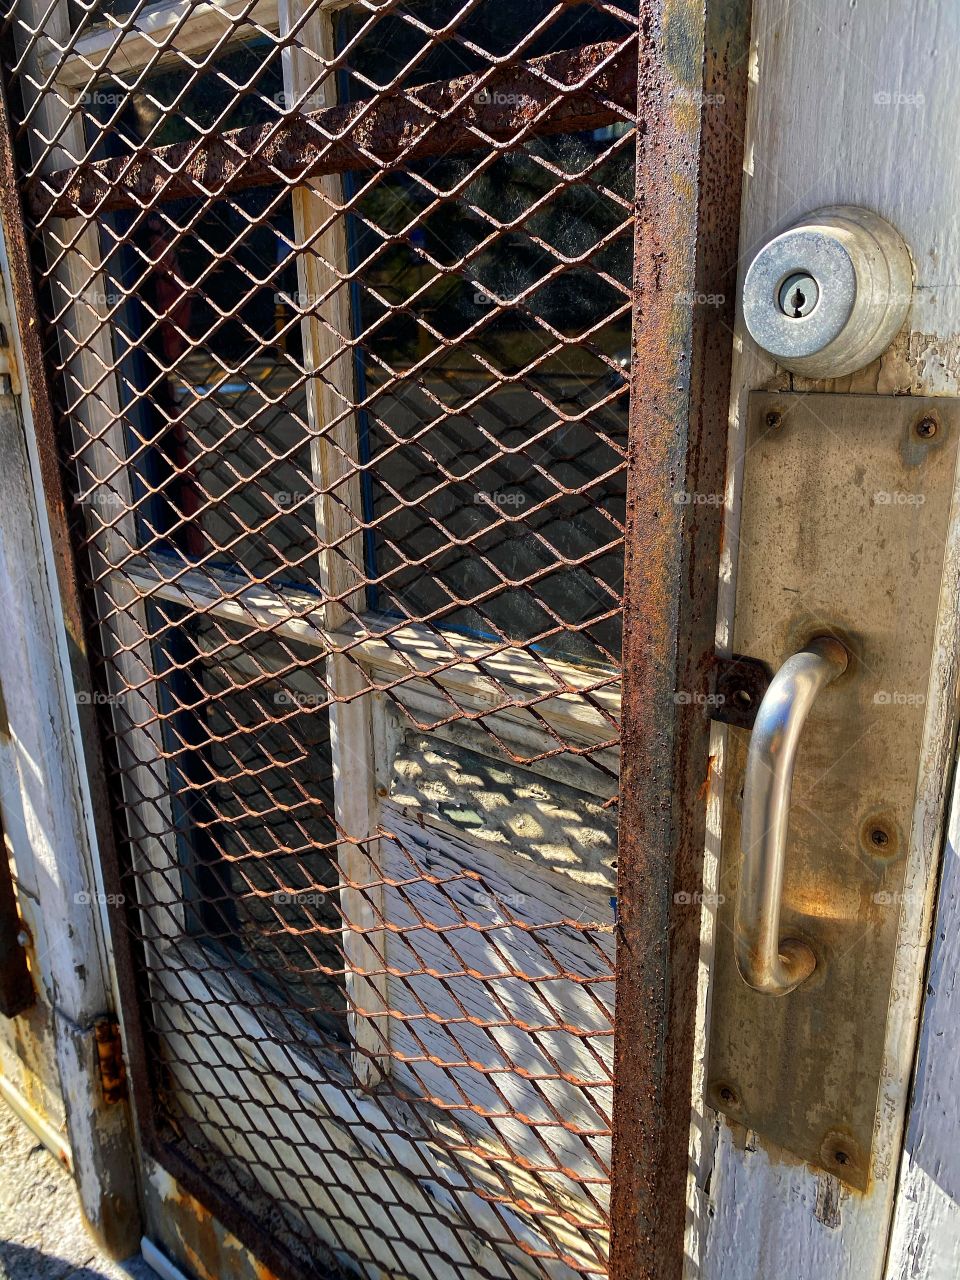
(335, 462)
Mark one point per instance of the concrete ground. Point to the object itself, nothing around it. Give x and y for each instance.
(42, 1236)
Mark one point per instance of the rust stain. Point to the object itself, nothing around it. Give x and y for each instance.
(206, 1246)
(113, 1072)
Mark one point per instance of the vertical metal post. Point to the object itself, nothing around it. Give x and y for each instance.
(691, 107)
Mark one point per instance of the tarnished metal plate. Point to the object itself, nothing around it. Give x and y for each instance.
(846, 504)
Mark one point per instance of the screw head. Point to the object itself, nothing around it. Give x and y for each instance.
(839, 1151)
(728, 1096)
(880, 835)
(926, 428)
(774, 420)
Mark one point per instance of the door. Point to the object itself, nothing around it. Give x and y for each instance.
(338, 304)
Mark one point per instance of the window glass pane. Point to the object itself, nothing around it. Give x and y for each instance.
(209, 349)
(494, 339)
(379, 47)
(174, 103)
(247, 734)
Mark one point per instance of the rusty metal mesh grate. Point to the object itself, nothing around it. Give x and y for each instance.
(338, 306)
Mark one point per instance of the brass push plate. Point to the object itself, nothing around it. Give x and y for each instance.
(846, 502)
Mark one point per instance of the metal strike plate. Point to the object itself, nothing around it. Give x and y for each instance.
(846, 502)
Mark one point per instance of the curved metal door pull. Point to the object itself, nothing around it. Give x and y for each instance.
(766, 961)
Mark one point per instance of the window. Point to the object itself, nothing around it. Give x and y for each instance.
(339, 298)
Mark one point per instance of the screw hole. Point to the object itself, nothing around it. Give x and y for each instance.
(743, 699)
(774, 420)
(841, 1157)
(879, 838)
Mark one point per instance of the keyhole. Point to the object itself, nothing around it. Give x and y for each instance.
(798, 295)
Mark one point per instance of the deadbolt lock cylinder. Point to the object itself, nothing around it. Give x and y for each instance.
(828, 296)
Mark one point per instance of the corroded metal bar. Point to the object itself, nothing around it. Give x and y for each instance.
(691, 101)
(579, 89)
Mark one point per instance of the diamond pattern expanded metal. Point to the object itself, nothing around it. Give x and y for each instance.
(337, 301)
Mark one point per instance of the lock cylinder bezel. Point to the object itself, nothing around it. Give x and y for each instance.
(864, 276)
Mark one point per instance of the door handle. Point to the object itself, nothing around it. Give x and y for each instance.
(766, 961)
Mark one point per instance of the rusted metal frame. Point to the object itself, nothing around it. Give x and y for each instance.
(400, 125)
(691, 102)
(76, 622)
(509, 702)
(528, 214)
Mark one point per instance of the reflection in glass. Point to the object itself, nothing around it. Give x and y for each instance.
(494, 329)
(247, 733)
